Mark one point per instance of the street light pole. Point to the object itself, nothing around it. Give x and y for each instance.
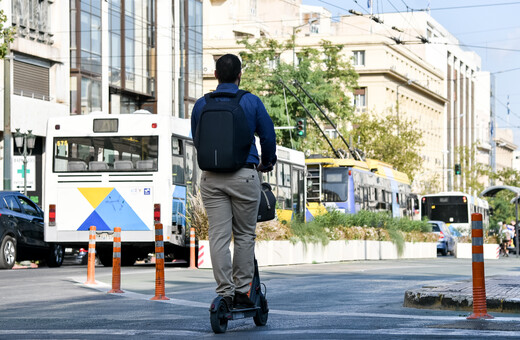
(294, 38)
(25, 141)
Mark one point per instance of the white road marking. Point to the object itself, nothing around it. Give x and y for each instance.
(420, 332)
(103, 287)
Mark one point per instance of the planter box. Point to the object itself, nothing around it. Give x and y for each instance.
(491, 251)
(272, 253)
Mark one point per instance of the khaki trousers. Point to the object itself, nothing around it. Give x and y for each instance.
(231, 201)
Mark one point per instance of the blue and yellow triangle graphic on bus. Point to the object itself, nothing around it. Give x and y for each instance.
(110, 210)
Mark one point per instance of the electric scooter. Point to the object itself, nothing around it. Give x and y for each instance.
(220, 314)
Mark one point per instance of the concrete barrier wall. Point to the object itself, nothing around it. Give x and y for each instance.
(273, 253)
(490, 251)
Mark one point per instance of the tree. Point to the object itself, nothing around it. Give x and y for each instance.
(377, 137)
(6, 35)
(472, 172)
(503, 209)
(330, 80)
(324, 75)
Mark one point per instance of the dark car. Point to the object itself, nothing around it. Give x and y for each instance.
(21, 232)
(447, 242)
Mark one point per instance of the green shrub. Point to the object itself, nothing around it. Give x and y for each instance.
(367, 225)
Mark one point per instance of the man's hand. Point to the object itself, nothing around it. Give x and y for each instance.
(265, 168)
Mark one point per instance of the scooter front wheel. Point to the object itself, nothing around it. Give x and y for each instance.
(217, 316)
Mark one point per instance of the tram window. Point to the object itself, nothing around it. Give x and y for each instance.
(335, 185)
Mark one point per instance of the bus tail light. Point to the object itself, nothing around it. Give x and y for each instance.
(52, 214)
(464, 199)
(157, 213)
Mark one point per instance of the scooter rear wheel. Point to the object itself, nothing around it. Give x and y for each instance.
(218, 318)
(263, 312)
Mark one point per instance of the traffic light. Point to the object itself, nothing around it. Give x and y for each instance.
(301, 127)
(457, 169)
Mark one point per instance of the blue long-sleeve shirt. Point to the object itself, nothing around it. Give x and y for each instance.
(257, 117)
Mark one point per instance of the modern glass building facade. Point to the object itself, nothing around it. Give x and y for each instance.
(116, 69)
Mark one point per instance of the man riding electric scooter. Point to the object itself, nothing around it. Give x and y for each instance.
(223, 125)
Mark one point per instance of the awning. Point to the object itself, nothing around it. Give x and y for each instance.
(492, 191)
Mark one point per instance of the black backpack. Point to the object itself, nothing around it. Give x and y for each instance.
(223, 138)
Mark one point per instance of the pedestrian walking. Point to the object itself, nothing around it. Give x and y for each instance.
(505, 236)
(230, 184)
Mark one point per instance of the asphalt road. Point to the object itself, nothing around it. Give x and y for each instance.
(351, 300)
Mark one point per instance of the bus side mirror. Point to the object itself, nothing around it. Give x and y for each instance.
(490, 211)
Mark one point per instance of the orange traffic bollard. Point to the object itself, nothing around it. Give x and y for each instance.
(192, 248)
(479, 283)
(116, 262)
(91, 267)
(159, 264)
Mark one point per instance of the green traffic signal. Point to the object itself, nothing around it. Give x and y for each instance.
(301, 127)
(457, 169)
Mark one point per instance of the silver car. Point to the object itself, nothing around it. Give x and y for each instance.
(447, 242)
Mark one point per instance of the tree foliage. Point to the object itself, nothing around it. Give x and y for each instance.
(322, 73)
(330, 79)
(473, 173)
(379, 139)
(503, 209)
(6, 35)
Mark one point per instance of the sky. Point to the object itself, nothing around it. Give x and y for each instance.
(488, 27)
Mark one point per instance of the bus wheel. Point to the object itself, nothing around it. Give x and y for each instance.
(128, 260)
(55, 256)
(105, 257)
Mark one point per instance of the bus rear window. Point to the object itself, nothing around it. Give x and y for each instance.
(101, 154)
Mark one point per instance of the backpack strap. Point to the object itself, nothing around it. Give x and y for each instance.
(234, 96)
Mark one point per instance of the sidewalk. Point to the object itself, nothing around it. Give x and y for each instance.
(502, 295)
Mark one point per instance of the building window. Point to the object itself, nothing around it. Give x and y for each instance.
(90, 95)
(360, 98)
(132, 45)
(359, 58)
(331, 133)
(90, 55)
(191, 55)
(85, 55)
(274, 62)
(31, 77)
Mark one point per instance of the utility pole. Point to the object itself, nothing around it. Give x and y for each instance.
(7, 121)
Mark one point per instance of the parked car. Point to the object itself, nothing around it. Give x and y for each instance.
(21, 232)
(447, 242)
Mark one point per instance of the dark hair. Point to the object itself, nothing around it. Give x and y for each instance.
(227, 68)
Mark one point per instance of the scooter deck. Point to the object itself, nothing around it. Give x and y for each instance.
(242, 313)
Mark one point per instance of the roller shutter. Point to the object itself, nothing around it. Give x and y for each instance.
(31, 80)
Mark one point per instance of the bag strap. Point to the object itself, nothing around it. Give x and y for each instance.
(234, 96)
(266, 200)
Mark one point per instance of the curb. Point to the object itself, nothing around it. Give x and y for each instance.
(503, 295)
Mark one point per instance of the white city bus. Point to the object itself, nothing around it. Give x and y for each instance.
(455, 209)
(129, 171)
